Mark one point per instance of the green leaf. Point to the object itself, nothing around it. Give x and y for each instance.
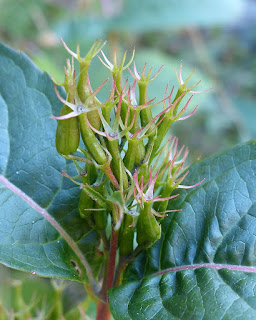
(204, 266)
(41, 230)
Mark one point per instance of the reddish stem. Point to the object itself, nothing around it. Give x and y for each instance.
(111, 176)
(112, 258)
(103, 311)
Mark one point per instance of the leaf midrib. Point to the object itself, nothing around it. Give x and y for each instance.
(172, 220)
(206, 265)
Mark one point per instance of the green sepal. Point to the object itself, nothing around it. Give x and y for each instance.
(117, 164)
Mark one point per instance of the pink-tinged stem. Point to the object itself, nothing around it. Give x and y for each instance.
(207, 265)
(111, 176)
(103, 311)
(110, 265)
(112, 258)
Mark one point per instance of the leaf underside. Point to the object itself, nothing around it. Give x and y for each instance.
(204, 266)
(31, 185)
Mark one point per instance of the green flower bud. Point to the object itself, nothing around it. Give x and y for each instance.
(148, 229)
(67, 134)
(126, 237)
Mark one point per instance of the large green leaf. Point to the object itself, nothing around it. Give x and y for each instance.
(204, 266)
(40, 228)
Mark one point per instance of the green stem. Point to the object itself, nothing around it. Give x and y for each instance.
(106, 111)
(161, 133)
(82, 87)
(95, 149)
(118, 76)
(165, 192)
(84, 92)
(180, 91)
(91, 142)
(75, 157)
(168, 120)
(129, 159)
(146, 114)
(116, 162)
(140, 153)
(124, 261)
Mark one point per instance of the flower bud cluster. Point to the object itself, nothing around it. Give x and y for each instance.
(127, 172)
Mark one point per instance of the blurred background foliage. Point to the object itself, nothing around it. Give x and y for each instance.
(217, 38)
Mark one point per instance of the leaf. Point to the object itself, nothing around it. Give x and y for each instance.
(41, 230)
(204, 266)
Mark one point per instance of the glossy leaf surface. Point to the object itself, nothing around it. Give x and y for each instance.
(204, 266)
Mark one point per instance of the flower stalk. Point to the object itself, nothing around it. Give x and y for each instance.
(127, 178)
